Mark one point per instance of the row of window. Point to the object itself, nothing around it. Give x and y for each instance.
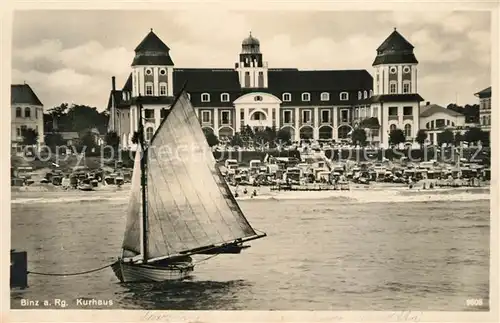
(27, 112)
(486, 120)
(485, 104)
(287, 97)
(407, 111)
(406, 130)
(22, 129)
(439, 123)
(287, 115)
(162, 89)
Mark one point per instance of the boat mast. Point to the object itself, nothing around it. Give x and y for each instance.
(144, 177)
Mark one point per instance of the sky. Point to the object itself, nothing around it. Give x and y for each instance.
(72, 58)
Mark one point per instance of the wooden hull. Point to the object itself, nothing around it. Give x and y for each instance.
(136, 273)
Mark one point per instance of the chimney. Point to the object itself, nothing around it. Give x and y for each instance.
(427, 103)
(113, 83)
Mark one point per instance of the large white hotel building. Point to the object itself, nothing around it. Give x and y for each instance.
(317, 104)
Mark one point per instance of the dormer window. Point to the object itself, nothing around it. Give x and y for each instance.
(149, 89)
(224, 97)
(325, 96)
(27, 112)
(365, 94)
(163, 88)
(19, 113)
(205, 97)
(306, 97)
(344, 96)
(286, 97)
(359, 95)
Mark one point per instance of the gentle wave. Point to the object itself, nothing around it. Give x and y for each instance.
(354, 196)
(369, 196)
(70, 199)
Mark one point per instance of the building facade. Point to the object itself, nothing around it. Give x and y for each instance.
(436, 119)
(485, 108)
(310, 104)
(26, 113)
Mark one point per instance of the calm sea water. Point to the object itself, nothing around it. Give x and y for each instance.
(336, 253)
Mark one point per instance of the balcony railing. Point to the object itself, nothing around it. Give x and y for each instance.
(408, 117)
(149, 120)
(394, 117)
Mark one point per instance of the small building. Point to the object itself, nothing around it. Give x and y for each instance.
(485, 108)
(435, 119)
(26, 113)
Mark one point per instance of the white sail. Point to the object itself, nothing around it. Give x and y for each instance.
(189, 205)
(132, 240)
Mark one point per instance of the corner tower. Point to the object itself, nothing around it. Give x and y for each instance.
(395, 66)
(396, 97)
(152, 68)
(251, 68)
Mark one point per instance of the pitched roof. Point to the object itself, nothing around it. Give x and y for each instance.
(484, 93)
(23, 94)
(152, 51)
(152, 43)
(395, 42)
(395, 50)
(206, 80)
(430, 109)
(322, 80)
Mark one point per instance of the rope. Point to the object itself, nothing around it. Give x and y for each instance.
(205, 259)
(70, 274)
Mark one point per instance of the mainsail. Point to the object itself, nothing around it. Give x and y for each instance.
(132, 240)
(189, 205)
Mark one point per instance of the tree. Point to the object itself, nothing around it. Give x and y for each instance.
(212, 139)
(473, 135)
(247, 134)
(236, 140)
(358, 137)
(30, 136)
(421, 137)
(396, 137)
(457, 140)
(87, 142)
(54, 140)
(284, 136)
(445, 137)
(370, 123)
(112, 139)
(136, 137)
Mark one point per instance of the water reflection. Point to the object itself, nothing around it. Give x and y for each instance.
(187, 294)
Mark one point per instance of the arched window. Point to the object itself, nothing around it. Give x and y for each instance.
(344, 96)
(365, 94)
(306, 96)
(325, 96)
(428, 125)
(286, 97)
(19, 112)
(205, 97)
(224, 97)
(408, 130)
(371, 93)
(149, 133)
(359, 95)
(27, 112)
(392, 127)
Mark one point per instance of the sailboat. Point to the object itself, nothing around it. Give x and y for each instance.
(180, 205)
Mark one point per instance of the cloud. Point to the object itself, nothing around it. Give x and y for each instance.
(74, 61)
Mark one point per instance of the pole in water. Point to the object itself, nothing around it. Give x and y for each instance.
(18, 269)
